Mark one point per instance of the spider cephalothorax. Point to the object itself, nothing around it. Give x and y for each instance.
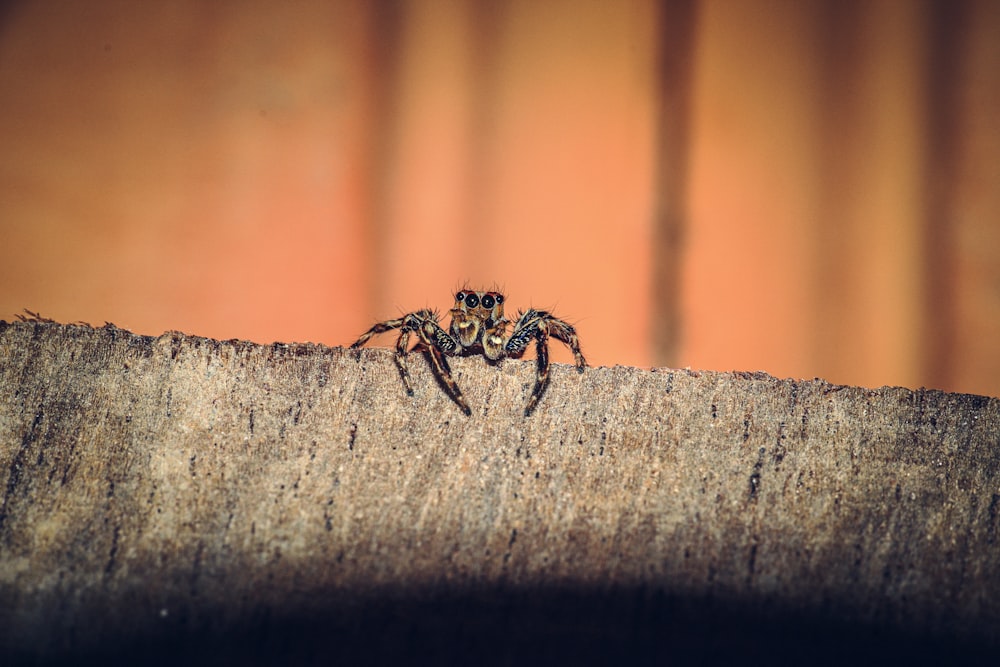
(477, 326)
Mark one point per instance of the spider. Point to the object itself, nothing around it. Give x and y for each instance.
(478, 326)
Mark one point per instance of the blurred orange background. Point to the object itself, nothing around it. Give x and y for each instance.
(807, 188)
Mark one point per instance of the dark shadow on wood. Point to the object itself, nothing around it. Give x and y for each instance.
(571, 626)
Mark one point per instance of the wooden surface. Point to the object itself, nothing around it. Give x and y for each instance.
(178, 498)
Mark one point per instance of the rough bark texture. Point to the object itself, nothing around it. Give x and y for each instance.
(179, 497)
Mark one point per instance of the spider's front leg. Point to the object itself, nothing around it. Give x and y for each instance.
(539, 325)
(438, 343)
(433, 339)
(406, 325)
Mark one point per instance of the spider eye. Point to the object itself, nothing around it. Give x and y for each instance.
(472, 300)
(460, 296)
(499, 298)
(488, 301)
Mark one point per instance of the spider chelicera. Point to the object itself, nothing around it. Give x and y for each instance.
(478, 326)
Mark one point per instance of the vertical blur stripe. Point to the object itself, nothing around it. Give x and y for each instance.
(808, 188)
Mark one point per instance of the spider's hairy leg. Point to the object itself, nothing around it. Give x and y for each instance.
(524, 331)
(542, 372)
(539, 325)
(531, 325)
(565, 332)
(438, 343)
(378, 328)
(402, 345)
(405, 324)
(443, 373)
(432, 337)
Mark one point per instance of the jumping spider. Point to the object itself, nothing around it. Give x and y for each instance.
(478, 326)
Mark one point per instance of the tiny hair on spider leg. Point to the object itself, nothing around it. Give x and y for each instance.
(478, 326)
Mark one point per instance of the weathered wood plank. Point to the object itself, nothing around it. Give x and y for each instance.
(180, 496)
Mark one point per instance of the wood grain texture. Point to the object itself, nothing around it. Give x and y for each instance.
(180, 497)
